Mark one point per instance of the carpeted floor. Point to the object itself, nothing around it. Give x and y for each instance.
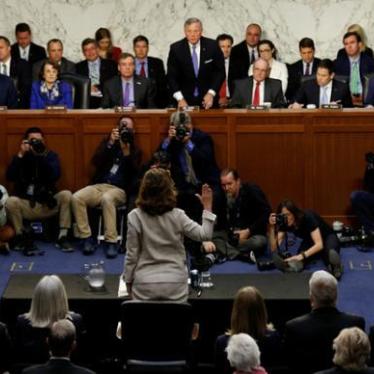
(356, 288)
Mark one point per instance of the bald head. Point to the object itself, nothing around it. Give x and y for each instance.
(260, 70)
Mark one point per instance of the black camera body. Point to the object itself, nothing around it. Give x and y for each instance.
(37, 145)
(181, 130)
(281, 221)
(233, 238)
(126, 134)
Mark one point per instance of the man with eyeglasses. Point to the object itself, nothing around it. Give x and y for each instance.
(258, 89)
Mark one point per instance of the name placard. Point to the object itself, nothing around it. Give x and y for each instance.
(56, 108)
(123, 109)
(331, 106)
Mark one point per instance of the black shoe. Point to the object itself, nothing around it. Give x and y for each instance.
(89, 246)
(18, 243)
(111, 250)
(335, 266)
(64, 244)
(248, 257)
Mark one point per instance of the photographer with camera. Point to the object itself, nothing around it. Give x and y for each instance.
(192, 164)
(35, 171)
(241, 232)
(318, 238)
(116, 162)
(363, 201)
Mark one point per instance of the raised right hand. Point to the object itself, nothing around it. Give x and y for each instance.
(24, 147)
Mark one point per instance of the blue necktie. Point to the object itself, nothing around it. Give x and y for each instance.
(195, 68)
(324, 100)
(126, 95)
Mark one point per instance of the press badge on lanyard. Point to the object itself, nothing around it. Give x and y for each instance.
(114, 168)
(30, 190)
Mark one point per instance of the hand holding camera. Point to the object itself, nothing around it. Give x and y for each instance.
(114, 136)
(25, 147)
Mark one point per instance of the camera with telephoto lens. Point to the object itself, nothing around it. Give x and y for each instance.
(181, 130)
(37, 145)
(125, 133)
(281, 221)
(369, 158)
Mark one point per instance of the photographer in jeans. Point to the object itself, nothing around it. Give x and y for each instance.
(116, 162)
(317, 236)
(241, 232)
(35, 171)
(363, 201)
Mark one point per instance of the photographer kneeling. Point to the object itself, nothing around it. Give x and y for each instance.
(115, 161)
(317, 236)
(35, 171)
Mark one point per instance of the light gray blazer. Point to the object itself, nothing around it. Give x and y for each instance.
(155, 250)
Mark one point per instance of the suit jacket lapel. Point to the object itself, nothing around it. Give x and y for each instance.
(267, 91)
(316, 93)
(250, 90)
(118, 92)
(138, 88)
(203, 54)
(188, 56)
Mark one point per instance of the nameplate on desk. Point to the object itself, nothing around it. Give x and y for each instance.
(122, 109)
(55, 108)
(195, 108)
(331, 106)
(257, 107)
(3, 108)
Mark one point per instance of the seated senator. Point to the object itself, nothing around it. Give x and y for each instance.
(49, 90)
(324, 89)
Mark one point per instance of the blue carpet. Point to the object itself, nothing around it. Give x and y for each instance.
(356, 288)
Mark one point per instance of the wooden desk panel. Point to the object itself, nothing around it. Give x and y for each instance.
(315, 157)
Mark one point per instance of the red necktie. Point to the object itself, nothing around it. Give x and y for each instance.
(256, 96)
(142, 70)
(222, 91)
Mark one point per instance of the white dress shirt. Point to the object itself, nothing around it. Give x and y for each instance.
(7, 67)
(24, 52)
(328, 89)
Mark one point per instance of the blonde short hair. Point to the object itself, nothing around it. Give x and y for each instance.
(352, 349)
(49, 302)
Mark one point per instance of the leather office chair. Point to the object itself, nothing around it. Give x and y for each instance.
(156, 336)
(307, 78)
(81, 89)
(367, 79)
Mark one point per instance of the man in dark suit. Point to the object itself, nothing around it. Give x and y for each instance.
(55, 51)
(225, 42)
(8, 93)
(24, 48)
(244, 54)
(128, 89)
(18, 70)
(305, 67)
(61, 342)
(309, 338)
(152, 68)
(97, 69)
(195, 68)
(258, 89)
(324, 89)
(354, 64)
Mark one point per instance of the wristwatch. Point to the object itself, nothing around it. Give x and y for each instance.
(304, 255)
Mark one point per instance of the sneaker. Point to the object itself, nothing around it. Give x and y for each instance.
(64, 244)
(203, 263)
(335, 266)
(111, 250)
(89, 246)
(248, 257)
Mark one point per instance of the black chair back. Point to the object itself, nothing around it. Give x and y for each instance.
(367, 79)
(156, 332)
(81, 89)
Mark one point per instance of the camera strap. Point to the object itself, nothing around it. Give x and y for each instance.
(233, 212)
(115, 167)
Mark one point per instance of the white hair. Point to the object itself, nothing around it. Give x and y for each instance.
(323, 288)
(243, 353)
(352, 349)
(49, 302)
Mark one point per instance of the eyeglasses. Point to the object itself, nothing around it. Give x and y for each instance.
(265, 50)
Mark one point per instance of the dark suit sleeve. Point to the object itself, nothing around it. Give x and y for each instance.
(11, 96)
(300, 96)
(151, 94)
(236, 99)
(106, 101)
(218, 70)
(174, 71)
(278, 97)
